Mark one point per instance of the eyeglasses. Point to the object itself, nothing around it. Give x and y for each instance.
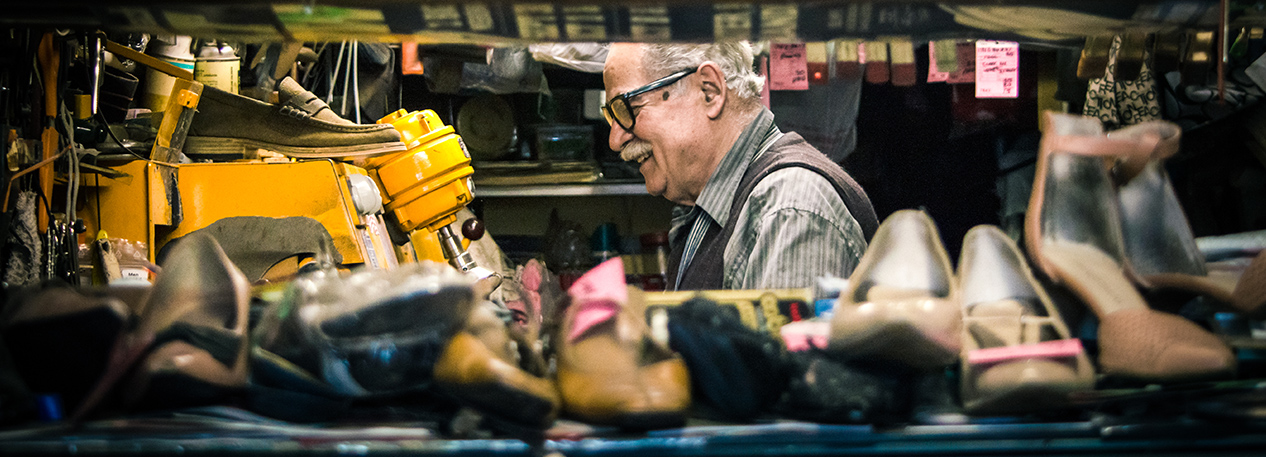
(617, 110)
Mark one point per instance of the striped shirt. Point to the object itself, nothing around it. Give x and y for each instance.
(793, 228)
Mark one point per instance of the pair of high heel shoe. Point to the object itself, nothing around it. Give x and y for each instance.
(1103, 218)
(905, 307)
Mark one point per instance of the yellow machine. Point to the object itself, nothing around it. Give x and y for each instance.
(264, 213)
(426, 185)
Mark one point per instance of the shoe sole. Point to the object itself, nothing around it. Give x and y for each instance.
(241, 147)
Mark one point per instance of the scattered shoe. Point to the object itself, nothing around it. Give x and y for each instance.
(479, 366)
(196, 316)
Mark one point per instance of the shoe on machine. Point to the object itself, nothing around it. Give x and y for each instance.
(299, 125)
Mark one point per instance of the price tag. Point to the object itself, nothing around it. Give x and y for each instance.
(997, 69)
(788, 69)
(935, 75)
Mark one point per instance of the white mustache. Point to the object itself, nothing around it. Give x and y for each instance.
(636, 151)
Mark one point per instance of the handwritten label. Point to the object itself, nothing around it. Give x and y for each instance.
(935, 75)
(778, 21)
(997, 69)
(478, 17)
(966, 74)
(788, 69)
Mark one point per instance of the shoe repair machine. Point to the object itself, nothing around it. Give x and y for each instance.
(269, 216)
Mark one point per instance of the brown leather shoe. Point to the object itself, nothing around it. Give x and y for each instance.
(199, 298)
(610, 370)
(478, 366)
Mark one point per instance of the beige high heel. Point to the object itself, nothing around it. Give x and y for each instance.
(1073, 233)
(1159, 242)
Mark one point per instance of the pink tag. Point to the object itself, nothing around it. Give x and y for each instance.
(788, 69)
(410, 64)
(997, 69)
(591, 314)
(799, 335)
(1045, 350)
(599, 293)
(935, 75)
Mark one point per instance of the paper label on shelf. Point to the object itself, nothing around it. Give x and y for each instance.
(650, 24)
(966, 74)
(478, 17)
(997, 69)
(778, 21)
(585, 23)
(442, 17)
(537, 21)
(788, 69)
(732, 22)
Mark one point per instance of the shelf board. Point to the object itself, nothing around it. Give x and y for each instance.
(561, 190)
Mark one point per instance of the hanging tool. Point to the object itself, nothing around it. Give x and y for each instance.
(50, 63)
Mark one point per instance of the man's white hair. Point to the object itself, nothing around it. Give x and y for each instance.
(734, 58)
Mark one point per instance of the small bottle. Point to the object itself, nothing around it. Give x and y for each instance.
(605, 242)
(655, 255)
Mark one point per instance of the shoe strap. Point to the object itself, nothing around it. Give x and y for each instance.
(1167, 136)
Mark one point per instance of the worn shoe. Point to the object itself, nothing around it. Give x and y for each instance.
(610, 370)
(478, 367)
(1159, 242)
(301, 125)
(196, 315)
(902, 301)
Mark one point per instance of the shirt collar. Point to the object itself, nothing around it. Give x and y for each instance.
(718, 193)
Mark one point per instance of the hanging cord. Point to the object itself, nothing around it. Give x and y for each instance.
(354, 67)
(72, 169)
(347, 78)
(334, 71)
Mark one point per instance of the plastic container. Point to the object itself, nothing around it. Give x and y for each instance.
(564, 143)
(175, 49)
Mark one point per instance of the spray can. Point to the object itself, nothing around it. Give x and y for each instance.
(217, 66)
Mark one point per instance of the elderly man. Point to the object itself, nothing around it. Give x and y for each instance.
(759, 208)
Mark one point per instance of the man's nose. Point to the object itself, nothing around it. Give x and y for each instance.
(619, 137)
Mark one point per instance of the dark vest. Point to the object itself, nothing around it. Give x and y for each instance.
(706, 268)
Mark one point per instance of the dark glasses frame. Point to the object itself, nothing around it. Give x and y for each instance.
(617, 108)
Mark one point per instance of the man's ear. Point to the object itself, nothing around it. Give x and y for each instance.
(712, 82)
